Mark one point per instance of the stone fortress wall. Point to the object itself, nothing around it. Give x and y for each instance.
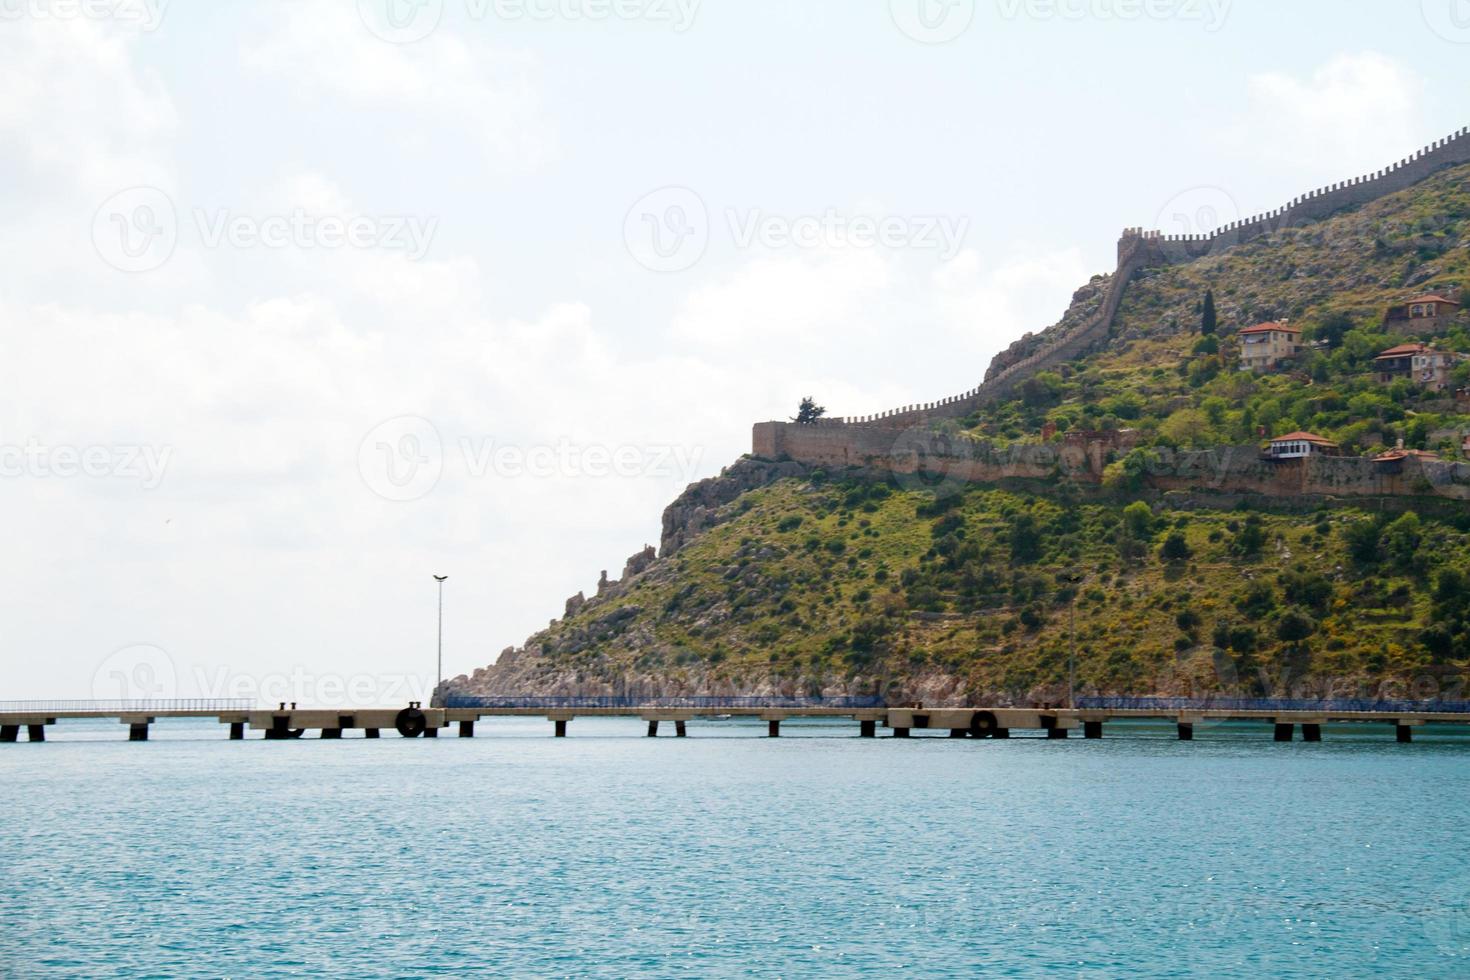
(899, 439)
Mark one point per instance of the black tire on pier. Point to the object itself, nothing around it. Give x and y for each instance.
(411, 723)
(983, 724)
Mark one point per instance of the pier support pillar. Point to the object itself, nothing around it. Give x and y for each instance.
(137, 732)
(331, 733)
(237, 731)
(1285, 733)
(867, 729)
(372, 733)
(959, 733)
(1001, 733)
(900, 733)
(9, 733)
(466, 729)
(36, 733)
(681, 729)
(1311, 733)
(1405, 734)
(773, 728)
(1186, 731)
(431, 733)
(1092, 729)
(1057, 733)
(560, 726)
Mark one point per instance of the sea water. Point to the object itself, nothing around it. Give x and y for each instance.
(729, 854)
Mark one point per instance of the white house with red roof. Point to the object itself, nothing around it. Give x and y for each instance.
(1300, 445)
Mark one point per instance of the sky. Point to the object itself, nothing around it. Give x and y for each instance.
(305, 302)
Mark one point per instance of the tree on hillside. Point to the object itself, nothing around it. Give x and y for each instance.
(1209, 323)
(809, 411)
(1333, 328)
(1176, 549)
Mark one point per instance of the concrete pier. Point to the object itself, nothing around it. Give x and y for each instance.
(1280, 718)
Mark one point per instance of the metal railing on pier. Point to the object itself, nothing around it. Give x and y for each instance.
(698, 703)
(129, 707)
(1328, 706)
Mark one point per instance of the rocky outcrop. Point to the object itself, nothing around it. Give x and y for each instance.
(699, 507)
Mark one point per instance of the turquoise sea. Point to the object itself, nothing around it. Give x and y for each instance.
(728, 854)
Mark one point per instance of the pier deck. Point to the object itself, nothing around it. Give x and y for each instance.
(1090, 716)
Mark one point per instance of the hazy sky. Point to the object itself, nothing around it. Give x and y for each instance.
(306, 301)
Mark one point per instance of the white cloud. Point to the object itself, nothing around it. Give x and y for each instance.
(443, 83)
(78, 112)
(1342, 119)
(985, 308)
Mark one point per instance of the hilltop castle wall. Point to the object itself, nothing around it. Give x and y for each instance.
(1138, 249)
(903, 437)
(1315, 206)
(936, 459)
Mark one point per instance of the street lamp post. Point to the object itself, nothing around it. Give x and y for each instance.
(439, 678)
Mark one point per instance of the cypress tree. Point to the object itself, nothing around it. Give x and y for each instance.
(1209, 323)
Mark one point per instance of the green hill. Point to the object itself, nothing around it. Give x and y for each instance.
(780, 578)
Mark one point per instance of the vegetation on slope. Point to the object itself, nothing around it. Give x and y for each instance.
(1180, 387)
(844, 584)
(851, 586)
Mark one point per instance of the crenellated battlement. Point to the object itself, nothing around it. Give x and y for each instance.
(1316, 205)
(1139, 248)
